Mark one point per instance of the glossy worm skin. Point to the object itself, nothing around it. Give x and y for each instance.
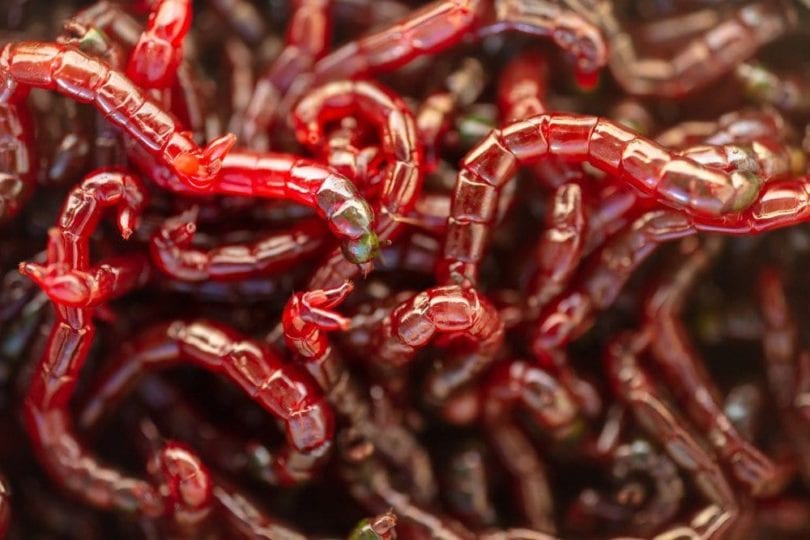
(443, 23)
(521, 384)
(675, 356)
(633, 386)
(560, 247)
(308, 36)
(173, 254)
(46, 407)
(402, 177)
(159, 51)
(284, 391)
(307, 319)
(448, 310)
(288, 177)
(79, 76)
(701, 61)
(697, 190)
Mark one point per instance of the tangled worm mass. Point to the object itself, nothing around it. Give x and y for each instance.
(455, 270)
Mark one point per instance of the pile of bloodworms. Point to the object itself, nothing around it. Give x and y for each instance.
(378, 269)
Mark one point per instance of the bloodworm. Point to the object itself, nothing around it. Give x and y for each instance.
(284, 391)
(447, 310)
(633, 385)
(402, 179)
(701, 61)
(508, 386)
(173, 254)
(68, 280)
(675, 356)
(308, 317)
(782, 364)
(72, 73)
(159, 50)
(444, 23)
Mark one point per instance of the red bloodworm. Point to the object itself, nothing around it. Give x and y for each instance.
(522, 89)
(287, 393)
(754, 130)
(402, 179)
(308, 36)
(520, 384)
(451, 311)
(703, 192)
(560, 248)
(46, 407)
(288, 177)
(675, 355)
(435, 114)
(307, 318)
(159, 50)
(633, 386)
(782, 361)
(78, 76)
(702, 60)
(248, 520)
(444, 23)
(646, 505)
(173, 254)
